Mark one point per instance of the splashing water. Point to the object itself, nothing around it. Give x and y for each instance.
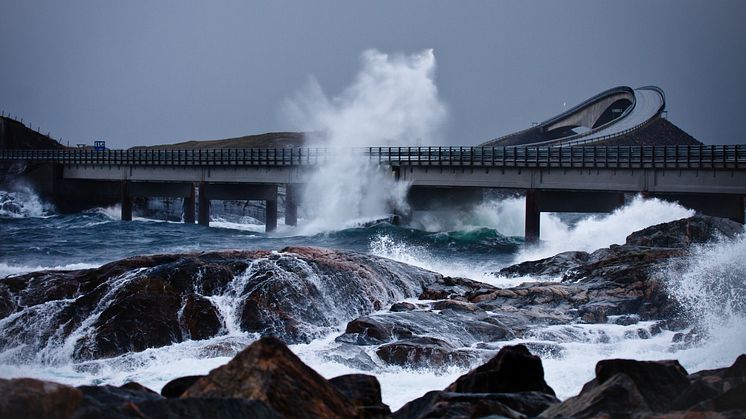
(596, 232)
(393, 100)
(23, 202)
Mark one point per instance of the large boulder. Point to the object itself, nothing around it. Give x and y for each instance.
(293, 294)
(514, 369)
(618, 396)
(28, 398)
(444, 404)
(269, 372)
(364, 391)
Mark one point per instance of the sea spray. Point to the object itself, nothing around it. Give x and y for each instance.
(600, 231)
(392, 101)
(23, 202)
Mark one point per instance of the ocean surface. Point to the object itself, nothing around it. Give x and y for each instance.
(472, 244)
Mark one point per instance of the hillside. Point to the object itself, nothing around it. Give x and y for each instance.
(267, 140)
(15, 135)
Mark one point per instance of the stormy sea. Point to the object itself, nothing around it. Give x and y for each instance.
(39, 337)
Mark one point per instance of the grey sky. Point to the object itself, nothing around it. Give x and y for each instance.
(146, 72)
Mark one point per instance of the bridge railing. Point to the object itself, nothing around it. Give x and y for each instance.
(616, 157)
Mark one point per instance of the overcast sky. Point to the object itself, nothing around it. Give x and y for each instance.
(148, 72)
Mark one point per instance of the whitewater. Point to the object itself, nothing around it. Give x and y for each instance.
(393, 100)
(487, 238)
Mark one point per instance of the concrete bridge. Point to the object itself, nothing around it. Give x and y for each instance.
(709, 179)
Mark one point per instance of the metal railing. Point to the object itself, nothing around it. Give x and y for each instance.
(616, 157)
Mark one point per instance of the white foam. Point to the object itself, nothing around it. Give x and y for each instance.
(393, 100)
(8, 269)
(600, 231)
(23, 202)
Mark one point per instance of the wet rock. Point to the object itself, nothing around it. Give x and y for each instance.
(460, 329)
(514, 369)
(684, 232)
(28, 398)
(402, 306)
(422, 352)
(448, 404)
(618, 396)
(268, 371)
(555, 266)
(364, 391)
(200, 318)
(447, 287)
(176, 387)
(455, 305)
(293, 294)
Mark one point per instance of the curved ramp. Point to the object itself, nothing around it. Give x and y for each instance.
(609, 114)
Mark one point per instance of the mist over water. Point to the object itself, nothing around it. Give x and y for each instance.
(392, 101)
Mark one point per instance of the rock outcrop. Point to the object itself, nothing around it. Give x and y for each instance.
(617, 284)
(268, 371)
(292, 294)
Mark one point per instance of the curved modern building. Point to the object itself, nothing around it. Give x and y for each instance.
(620, 115)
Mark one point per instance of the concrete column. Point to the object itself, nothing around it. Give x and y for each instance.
(203, 218)
(532, 217)
(126, 201)
(189, 206)
(270, 215)
(291, 205)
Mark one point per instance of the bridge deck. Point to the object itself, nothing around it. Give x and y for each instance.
(619, 157)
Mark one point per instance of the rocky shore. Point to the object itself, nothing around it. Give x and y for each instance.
(395, 314)
(266, 380)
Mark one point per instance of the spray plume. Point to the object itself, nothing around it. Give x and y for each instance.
(392, 101)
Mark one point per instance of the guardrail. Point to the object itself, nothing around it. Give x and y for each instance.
(616, 157)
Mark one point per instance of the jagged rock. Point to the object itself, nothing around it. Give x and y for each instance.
(176, 387)
(28, 398)
(364, 391)
(292, 294)
(461, 328)
(268, 371)
(514, 369)
(110, 401)
(436, 404)
(659, 382)
(616, 397)
(422, 352)
(684, 232)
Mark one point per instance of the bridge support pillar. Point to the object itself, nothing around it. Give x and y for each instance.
(126, 201)
(532, 217)
(189, 206)
(291, 205)
(270, 215)
(203, 218)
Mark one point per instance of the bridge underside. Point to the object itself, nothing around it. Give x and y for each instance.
(717, 191)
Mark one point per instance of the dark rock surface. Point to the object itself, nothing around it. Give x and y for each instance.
(27, 398)
(176, 387)
(514, 369)
(423, 352)
(268, 371)
(292, 294)
(364, 391)
(632, 388)
(444, 404)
